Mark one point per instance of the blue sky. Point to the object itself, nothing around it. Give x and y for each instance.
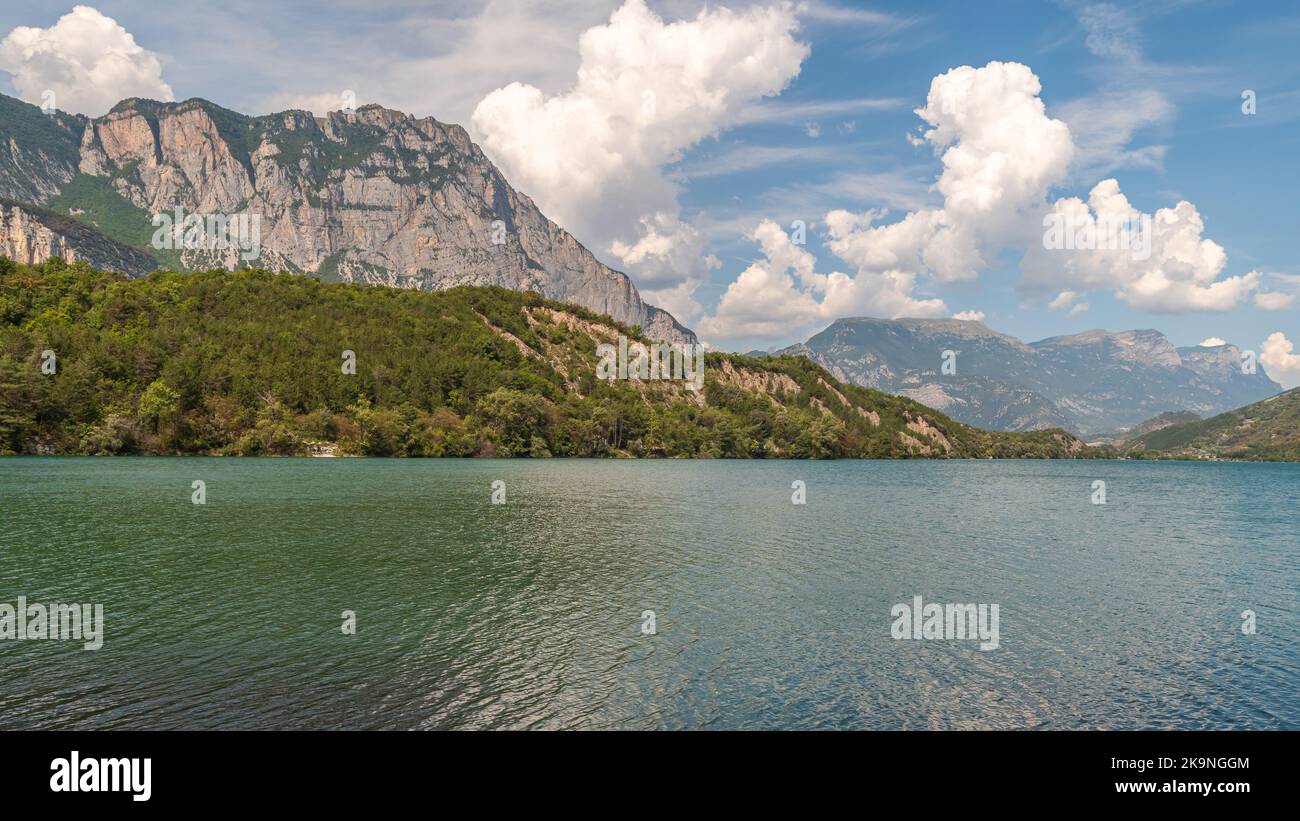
(779, 112)
(1242, 172)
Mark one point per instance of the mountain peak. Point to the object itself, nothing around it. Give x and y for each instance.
(374, 196)
(963, 328)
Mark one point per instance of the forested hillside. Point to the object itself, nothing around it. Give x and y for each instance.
(1265, 431)
(251, 363)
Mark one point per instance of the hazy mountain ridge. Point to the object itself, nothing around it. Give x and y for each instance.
(371, 196)
(1160, 422)
(1093, 383)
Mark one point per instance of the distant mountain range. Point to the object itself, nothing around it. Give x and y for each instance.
(370, 196)
(1092, 383)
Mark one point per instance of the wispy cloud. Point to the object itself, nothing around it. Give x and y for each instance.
(740, 158)
(902, 189)
(1103, 126)
(1111, 32)
(798, 113)
(819, 11)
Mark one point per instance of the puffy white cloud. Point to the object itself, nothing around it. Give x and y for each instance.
(777, 296)
(1280, 363)
(88, 61)
(1001, 154)
(646, 91)
(782, 297)
(1160, 263)
(1212, 342)
(970, 316)
(670, 261)
(1274, 300)
(1066, 301)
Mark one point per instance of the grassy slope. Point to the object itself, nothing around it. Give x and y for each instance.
(99, 206)
(1264, 431)
(249, 362)
(58, 135)
(1159, 422)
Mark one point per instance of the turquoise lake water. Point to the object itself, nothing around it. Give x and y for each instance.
(767, 614)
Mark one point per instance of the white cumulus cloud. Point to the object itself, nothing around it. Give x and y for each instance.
(1280, 363)
(1160, 263)
(1212, 342)
(87, 59)
(1001, 154)
(782, 296)
(646, 91)
(970, 316)
(670, 260)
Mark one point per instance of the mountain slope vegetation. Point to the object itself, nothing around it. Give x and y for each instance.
(1264, 431)
(251, 362)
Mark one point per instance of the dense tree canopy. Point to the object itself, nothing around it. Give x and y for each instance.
(251, 362)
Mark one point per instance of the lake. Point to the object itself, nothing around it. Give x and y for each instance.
(532, 613)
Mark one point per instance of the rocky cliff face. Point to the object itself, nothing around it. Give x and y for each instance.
(32, 235)
(370, 196)
(1090, 383)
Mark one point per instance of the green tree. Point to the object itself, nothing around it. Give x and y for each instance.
(159, 404)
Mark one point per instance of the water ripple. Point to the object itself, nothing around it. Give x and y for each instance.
(528, 615)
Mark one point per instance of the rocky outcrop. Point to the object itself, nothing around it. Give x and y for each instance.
(32, 235)
(372, 196)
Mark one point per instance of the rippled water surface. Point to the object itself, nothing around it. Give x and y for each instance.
(768, 614)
